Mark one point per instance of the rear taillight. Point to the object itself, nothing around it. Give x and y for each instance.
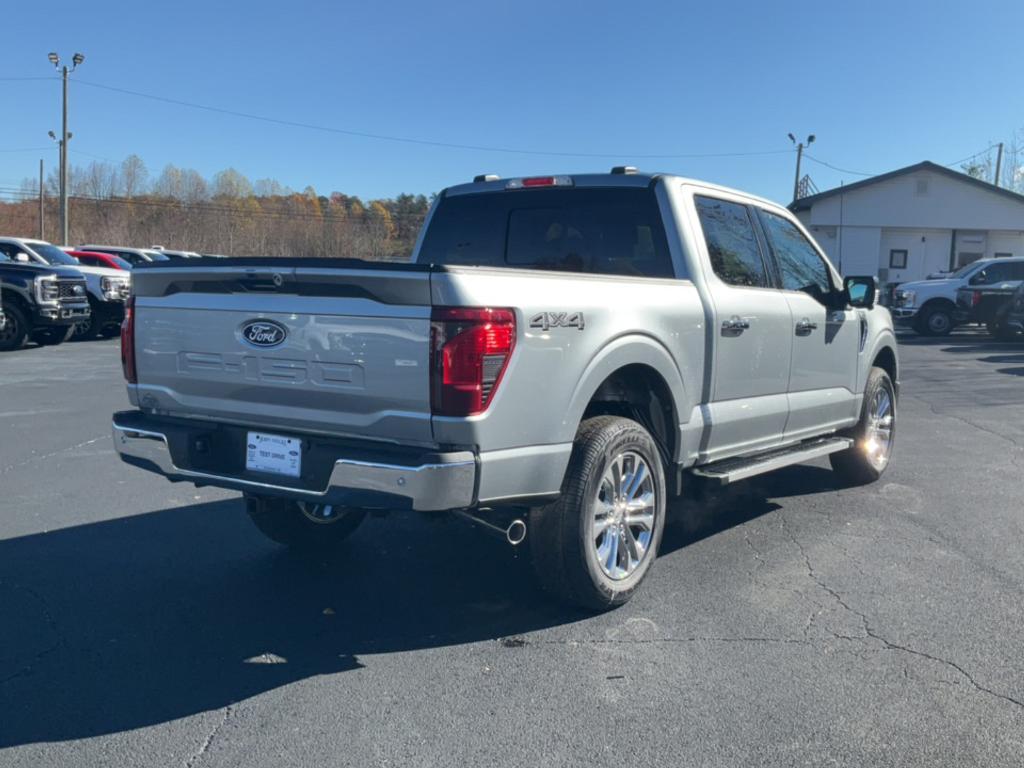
(128, 342)
(470, 349)
(975, 298)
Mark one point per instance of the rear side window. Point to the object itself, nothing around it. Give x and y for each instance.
(732, 244)
(801, 267)
(611, 231)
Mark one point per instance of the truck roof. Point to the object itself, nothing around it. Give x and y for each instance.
(618, 178)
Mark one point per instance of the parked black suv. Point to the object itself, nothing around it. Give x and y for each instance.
(40, 302)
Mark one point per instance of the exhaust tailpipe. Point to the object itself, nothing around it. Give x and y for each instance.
(514, 533)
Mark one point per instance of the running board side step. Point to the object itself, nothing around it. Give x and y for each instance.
(730, 470)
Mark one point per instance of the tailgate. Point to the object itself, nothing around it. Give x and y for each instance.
(336, 350)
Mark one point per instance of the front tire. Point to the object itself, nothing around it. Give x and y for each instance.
(51, 337)
(303, 526)
(595, 545)
(937, 321)
(15, 330)
(874, 436)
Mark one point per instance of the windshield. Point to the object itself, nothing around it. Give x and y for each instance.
(53, 255)
(156, 256)
(122, 263)
(965, 270)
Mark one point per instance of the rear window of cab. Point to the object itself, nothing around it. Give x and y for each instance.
(610, 231)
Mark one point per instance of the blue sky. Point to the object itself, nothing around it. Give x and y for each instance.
(882, 85)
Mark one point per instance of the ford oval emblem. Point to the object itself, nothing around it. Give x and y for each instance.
(264, 333)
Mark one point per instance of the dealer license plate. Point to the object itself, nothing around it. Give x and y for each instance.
(276, 454)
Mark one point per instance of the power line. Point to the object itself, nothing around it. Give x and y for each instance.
(837, 168)
(971, 157)
(424, 142)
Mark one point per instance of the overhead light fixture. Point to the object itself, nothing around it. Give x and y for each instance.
(79, 58)
(54, 58)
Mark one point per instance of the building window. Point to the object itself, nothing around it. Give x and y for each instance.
(1003, 255)
(898, 258)
(966, 257)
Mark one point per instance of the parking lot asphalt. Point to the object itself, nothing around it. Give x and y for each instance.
(787, 621)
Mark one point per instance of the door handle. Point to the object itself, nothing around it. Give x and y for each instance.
(735, 325)
(804, 327)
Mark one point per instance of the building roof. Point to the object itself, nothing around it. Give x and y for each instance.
(805, 203)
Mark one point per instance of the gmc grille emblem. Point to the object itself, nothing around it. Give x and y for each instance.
(264, 333)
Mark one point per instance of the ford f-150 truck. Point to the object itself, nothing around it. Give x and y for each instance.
(562, 356)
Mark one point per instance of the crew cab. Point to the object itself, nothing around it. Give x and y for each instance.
(562, 356)
(107, 288)
(929, 306)
(39, 302)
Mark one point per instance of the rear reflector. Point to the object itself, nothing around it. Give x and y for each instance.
(128, 342)
(470, 349)
(540, 181)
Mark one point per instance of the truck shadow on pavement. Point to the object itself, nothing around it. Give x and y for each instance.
(141, 620)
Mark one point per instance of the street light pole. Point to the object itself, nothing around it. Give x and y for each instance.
(799, 156)
(64, 136)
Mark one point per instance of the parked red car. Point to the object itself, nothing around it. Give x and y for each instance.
(95, 259)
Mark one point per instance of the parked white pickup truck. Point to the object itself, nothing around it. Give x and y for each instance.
(563, 355)
(929, 306)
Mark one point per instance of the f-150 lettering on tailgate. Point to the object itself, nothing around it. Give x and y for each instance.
(272, 369)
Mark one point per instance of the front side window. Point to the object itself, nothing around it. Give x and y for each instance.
(801, 268)
(993, 273)
(732, 245)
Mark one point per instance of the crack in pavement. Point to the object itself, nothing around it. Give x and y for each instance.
(51, 622)
(872, 634)
(51, 454)
(198, 755)
(968, 422)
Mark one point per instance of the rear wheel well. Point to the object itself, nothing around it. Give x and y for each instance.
(886, 360)
(640, 393)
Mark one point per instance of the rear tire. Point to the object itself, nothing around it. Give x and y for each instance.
(874, 436)
(15, 330)
(303, 526)
(595, 545)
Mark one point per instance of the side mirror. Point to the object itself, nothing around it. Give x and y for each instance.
(22, 257)
(861, 291)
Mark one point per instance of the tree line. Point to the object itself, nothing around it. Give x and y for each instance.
(121, 204)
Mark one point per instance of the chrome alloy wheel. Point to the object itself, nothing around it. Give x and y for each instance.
(878, 435)
(623, 515)
(323, 514)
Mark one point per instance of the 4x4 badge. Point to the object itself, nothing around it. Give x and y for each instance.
(545, 321)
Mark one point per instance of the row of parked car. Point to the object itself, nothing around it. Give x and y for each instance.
(988, 292)
(50, 294)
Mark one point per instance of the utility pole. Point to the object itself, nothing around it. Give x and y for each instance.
(799, 156)
(999, 162)
(41, 237)
(64, 137)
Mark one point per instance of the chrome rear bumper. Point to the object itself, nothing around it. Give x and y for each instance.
(446, 483)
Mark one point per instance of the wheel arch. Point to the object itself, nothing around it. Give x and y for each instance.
(634, 376)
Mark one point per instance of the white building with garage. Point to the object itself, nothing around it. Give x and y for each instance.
(912, 222)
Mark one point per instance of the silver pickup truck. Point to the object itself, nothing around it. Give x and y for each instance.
(562, 356)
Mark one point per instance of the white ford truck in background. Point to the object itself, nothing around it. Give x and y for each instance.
(562, 356)
(929, 306)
